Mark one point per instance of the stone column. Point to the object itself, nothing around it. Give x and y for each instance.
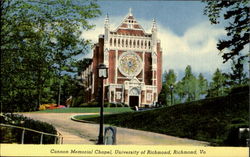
(126, 96)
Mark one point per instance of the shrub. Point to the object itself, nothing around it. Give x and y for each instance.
(116, 104)
(239, 89)
(14, 135)
(232, 136)
(90, 104)
(42, 107)
(106, 104)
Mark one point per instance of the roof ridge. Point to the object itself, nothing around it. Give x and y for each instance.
(129, 22)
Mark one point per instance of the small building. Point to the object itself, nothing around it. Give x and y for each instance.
(134, 59)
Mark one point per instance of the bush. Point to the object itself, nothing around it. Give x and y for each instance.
(239, 89)
(41, 107)
(106, 104)
(76, 102)
(232, 136)
(90, 104)
(14, 135)
(118, 104)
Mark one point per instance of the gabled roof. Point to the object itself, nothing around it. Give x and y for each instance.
(130, 26)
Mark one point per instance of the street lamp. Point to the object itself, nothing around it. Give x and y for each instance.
(171, 89)
(102, 74)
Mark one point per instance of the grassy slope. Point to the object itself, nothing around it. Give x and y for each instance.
(207, 120)
(87, 110)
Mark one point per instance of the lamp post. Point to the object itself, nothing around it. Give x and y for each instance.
(102, 74)
(171, 89)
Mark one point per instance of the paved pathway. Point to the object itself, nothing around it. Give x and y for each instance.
(85, 133)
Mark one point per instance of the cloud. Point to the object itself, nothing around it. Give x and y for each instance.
(196, 47)
(99, 28)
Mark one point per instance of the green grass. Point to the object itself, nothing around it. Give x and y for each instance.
(213, 120)
(88, 110)
(86, 117)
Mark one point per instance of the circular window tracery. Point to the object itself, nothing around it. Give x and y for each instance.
(130, 64)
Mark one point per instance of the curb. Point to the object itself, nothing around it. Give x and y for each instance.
(82, 121)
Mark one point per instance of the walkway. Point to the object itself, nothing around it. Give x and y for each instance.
(85, 133)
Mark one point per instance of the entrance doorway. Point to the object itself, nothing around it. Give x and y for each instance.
(134, 101)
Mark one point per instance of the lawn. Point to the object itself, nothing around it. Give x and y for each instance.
(86, 117)
(215, 120)
(88, 110)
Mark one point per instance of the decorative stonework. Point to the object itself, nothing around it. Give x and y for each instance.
(134, 92)
(130, 64)
(118, 95)
(134, 58)
(149, 96)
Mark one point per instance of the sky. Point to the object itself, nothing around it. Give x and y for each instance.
(187, 37)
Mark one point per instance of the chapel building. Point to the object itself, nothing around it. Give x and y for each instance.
(134, 59)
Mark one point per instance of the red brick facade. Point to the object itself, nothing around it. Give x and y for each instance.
(134, 59)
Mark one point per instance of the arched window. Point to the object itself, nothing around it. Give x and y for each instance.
(149, 44)
(141, 44)
(145, 44)
(115, 42)
(130, 43)
(138, 43)
(126, 42)
(118, 42)
(134, 44)
(122, 43)
(110, 42)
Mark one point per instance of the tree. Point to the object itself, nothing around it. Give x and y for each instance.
(39, 40)
(236, 13)
(66, 46)
(170, 79)
(162, 98)
(180, 92)
(237, 76)
(202, 86)
(189, 84)
(217, 86)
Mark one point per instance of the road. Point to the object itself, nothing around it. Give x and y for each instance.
(85, 133)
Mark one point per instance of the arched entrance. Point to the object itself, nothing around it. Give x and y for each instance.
(134, 97)
(133, 101)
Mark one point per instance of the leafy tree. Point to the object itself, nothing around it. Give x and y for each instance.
(180, 92)
(217, 86)
(170, 78)
(202, 85)
(82, 64)
(39, 40)
(237, 76)
(190, 84)
(66, 47)
(236, 15)
(162, 98)
(79, 93)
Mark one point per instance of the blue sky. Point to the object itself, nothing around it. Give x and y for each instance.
(187, 37)
(172, 14)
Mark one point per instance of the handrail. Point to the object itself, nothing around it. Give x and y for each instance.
(58, 135)
(29, 129)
